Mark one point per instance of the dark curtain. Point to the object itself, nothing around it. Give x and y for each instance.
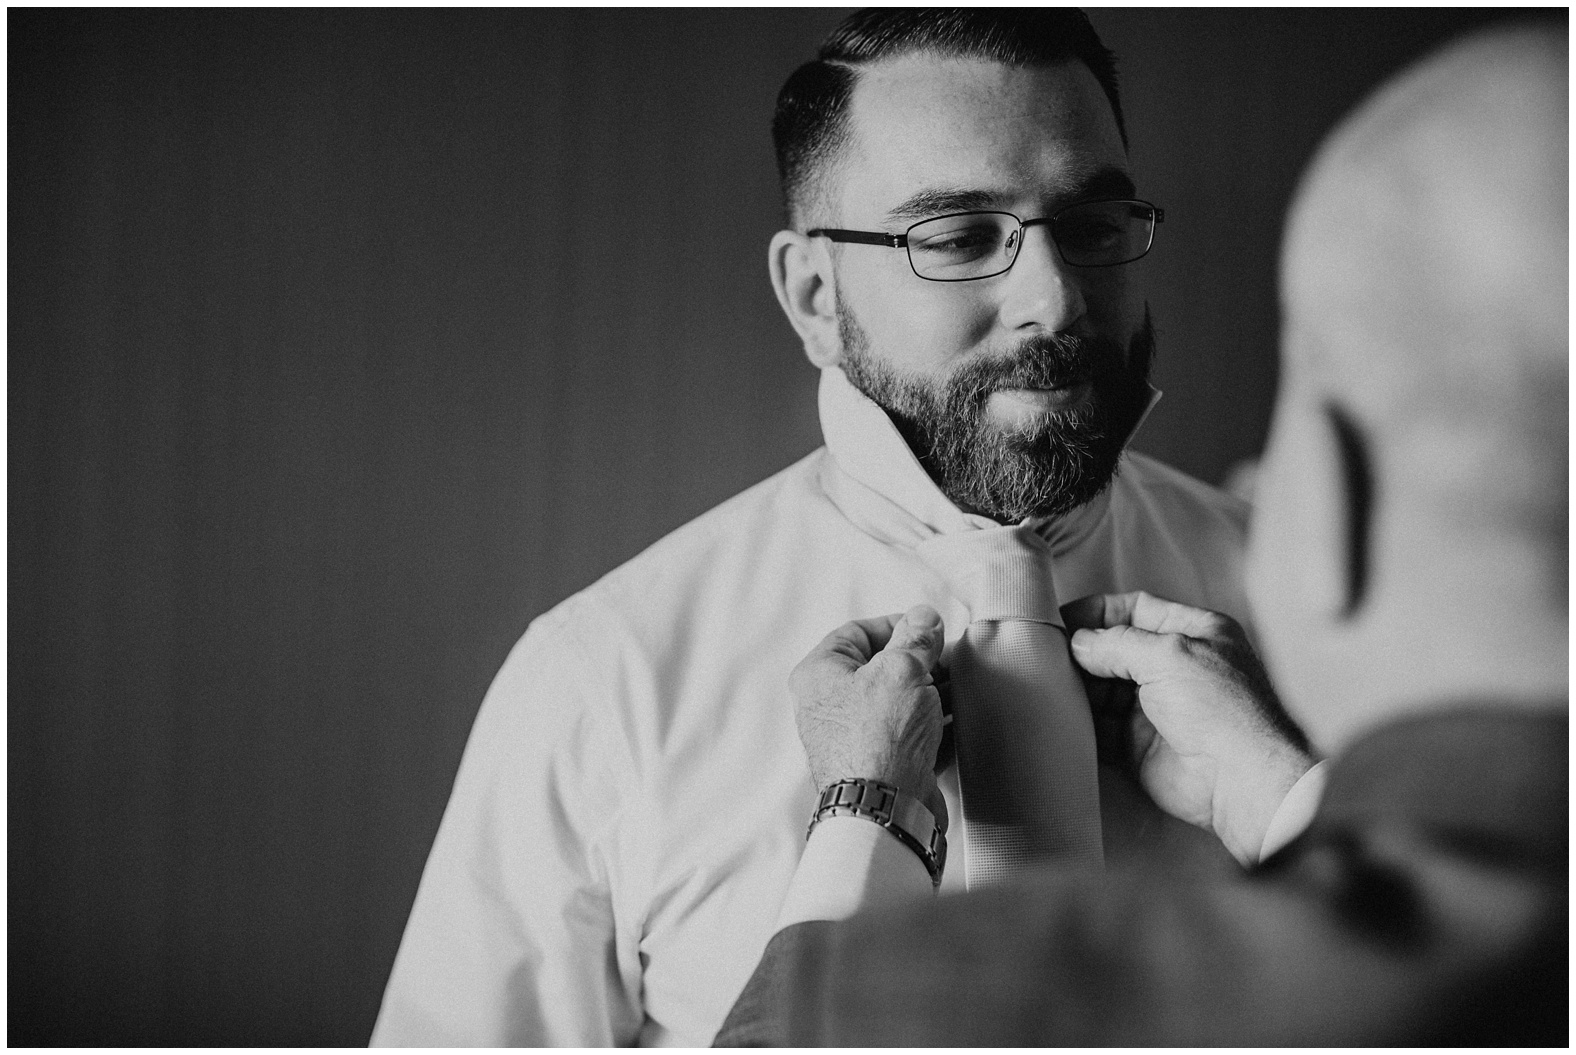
(344, 343)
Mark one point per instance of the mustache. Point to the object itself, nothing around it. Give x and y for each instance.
(1049, 360)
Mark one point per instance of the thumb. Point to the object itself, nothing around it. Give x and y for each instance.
(917, 637)
(1127, 652)
(919, 630)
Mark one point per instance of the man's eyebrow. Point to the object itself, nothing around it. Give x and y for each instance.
(939, 202)
(1105, 182)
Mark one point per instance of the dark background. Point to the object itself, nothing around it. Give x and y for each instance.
(343, 344)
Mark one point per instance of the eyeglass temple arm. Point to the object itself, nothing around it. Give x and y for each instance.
(896, 241)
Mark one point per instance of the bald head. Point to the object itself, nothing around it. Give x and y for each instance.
(1409, 540)
(1425, 269)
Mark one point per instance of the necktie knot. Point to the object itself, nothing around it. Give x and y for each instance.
(1000, 573)
(1020, 720)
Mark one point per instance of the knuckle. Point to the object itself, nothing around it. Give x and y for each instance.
(1177, 647)
(1143, 605)
(1217, 624)
(903, 665)
(1212, 621)
(1210, 655)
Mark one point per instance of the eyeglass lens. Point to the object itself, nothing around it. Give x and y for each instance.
(981, 244)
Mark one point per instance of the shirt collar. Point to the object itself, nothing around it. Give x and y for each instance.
(868, 447)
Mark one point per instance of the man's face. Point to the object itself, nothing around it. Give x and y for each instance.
(1016, 391)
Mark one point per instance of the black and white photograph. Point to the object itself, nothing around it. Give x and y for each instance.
(898, 527)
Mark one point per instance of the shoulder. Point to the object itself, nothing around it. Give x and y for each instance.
(727, 544)
(604, 675)
(621, 634)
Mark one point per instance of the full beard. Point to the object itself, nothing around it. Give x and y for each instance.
(1063, 461)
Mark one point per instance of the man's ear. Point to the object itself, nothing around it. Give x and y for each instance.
(1353, 457)
(1309, 542)
(802, 278)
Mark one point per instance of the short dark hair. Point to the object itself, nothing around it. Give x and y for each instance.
(811, 121)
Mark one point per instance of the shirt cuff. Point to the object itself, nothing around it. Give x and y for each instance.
(1296, 810)
(849, 863)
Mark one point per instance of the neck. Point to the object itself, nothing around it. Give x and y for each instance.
(1488, 630)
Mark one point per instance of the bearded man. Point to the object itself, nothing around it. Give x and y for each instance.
(1410, 556)
(962, 266)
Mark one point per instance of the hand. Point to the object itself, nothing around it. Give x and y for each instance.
(866, 707)
(1210, 742)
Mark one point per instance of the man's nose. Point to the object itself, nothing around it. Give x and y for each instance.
(1041, 290)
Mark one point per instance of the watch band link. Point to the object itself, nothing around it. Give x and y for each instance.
(897, 811)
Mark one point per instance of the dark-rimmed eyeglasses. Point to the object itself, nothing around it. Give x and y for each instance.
(962, 246)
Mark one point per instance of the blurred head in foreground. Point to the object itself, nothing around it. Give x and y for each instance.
(1418, 461)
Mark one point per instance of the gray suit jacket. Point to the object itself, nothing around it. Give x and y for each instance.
(1426, 904)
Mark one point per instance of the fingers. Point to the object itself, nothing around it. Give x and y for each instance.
(1128, 652)
(914, 647)
(919, 631)
(856, 641)
(916, 638)
(1144, 611)
(1095, 612)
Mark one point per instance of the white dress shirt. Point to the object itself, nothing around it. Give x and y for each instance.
(632, 803)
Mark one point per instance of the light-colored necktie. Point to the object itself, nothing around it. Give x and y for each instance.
(1027, 771)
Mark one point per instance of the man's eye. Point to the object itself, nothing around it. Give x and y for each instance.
(974, 239)
(1090, 232)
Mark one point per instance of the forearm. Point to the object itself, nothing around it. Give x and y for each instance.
(849, 864)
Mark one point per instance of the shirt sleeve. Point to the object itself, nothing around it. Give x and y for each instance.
(850, 863)
(512, 939)
(1296, 810)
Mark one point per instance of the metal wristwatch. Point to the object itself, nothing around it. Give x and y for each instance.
(897, 811)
